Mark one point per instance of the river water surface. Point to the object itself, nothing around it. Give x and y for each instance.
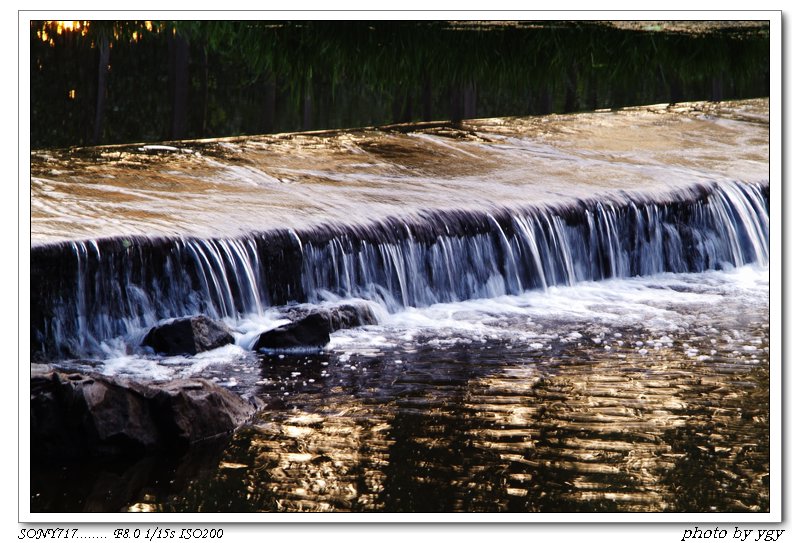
(583, 326)
(645, 394)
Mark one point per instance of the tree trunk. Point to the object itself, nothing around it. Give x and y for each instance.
(204, 86)
(180, 86)
(717, 85)
(401, 107)
(308, 111)
(470, 93)
(456, 104)
(571, 95)
(396, 107)
(408, 109)
(591, 93)
(544, 104)
(675, 89)
(323, 103)
(268, 119)
(427, 99)
(102, 84)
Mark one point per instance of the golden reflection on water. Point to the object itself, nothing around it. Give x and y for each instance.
(584, 430)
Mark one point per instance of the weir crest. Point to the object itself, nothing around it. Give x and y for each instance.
(87, 292)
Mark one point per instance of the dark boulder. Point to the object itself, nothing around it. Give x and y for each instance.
(350, 315)
(313, 324)
(309, 332)
(75, 415)
(338, 317)
(189, 335)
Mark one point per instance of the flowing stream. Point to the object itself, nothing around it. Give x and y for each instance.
(573, 311)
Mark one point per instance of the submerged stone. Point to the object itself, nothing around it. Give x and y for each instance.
(77, 415)
(312, 326)
(190, 335)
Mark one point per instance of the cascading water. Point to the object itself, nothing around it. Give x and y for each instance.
(89, 292)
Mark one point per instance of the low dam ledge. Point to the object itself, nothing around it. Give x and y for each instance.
(404, 216)
(233, 187)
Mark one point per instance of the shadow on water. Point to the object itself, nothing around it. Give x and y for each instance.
(100, 486)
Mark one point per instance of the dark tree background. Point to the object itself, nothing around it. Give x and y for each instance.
(97, 82)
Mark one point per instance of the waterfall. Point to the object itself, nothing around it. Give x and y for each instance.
(86, 292)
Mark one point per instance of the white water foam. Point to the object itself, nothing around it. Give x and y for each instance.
(599, 314)
(660, 305)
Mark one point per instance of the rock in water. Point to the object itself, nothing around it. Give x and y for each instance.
(348, 316)
(312, 326)
(189, 335)
(338, 317)
(311, 331)
(75, 415)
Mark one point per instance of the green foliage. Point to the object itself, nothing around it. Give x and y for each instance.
(357, 73)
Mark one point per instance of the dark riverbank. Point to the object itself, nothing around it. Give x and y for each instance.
(134, 81)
